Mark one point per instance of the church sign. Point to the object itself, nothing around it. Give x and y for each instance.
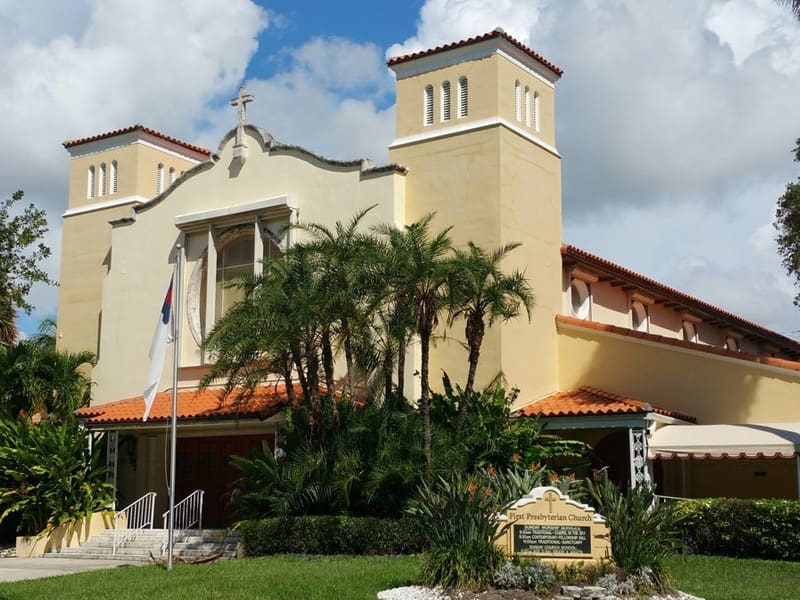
(549, 525)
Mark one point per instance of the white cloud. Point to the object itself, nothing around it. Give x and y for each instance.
(77, 68)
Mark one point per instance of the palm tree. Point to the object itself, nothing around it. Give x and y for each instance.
(481, 294)
(343, 270)
(794, 6)
(422, 272)
(35, 375)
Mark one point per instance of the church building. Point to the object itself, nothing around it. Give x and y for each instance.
(664, 386)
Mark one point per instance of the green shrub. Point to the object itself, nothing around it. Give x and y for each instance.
(534, 575)
(642, 534)
(457, 513)
(330, 535)
(48, 476)
(768, 529)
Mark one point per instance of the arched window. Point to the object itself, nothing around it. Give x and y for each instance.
(90, 183)
(580, 299)
(527, 106)
(160, 178)
(445, 101)
(101, 184)
(236, 258)
(638, 316)
(113, 178)
(171, 175)
(427, 116)
(463, 97)
(517, 101)
(536, 115)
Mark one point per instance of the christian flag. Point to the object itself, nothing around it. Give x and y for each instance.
(158, 352)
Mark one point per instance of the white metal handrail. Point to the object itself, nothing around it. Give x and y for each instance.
(138, 515)
(188, 512)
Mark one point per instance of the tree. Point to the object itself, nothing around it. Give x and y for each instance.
(794, 6)
(21, 253)
(481, 294)
(341, 255)
(37, 378)
(787, 222)
(422, 270)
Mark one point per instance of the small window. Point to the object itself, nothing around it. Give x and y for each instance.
(445, 101)
(101, 187)
(527, 107)
(171, 175)
(90, 183)
(536, 110)
(463, 97)
(517, 101)
(160, 179)
(427, 117)
(638, 316)
(580, 299)
(732, 344)
(113, 178)
(689, 332)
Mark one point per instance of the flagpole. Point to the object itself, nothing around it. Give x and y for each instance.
(176, 353)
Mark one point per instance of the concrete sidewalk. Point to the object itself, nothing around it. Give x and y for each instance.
(17, 569)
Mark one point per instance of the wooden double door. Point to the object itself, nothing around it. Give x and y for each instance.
(202, 464)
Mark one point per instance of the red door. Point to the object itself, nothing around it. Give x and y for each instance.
(202, 464)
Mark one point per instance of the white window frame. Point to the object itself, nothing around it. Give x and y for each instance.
(446, 107)
(463, 97)
(427, 105)
(113, 177)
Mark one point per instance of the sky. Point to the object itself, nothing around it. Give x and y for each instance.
(675, 120)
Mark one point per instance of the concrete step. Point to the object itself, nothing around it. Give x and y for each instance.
(139, 545)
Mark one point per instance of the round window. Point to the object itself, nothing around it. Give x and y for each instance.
(579, 299)
(638, 316)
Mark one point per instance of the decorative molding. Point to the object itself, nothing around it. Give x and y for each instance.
(104, 205)
(473, 126)
(229, 211)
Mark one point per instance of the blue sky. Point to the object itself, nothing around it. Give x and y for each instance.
(675, 119)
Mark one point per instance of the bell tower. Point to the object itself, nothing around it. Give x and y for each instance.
(110, 173)
(476, 130)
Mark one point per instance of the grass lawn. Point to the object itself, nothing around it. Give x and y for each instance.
(354, 578)
(272, 578)
(717, 578)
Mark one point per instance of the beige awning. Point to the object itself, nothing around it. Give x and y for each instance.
(755, 440)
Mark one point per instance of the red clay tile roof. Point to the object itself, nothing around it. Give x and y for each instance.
(666, 293)
(660, 339)
(137, 127)
(193, 405)
(498, 32)
(587, 401)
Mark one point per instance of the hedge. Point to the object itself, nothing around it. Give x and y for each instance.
(767, 529)
(331, 535)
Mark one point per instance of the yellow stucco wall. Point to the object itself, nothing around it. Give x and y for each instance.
(715, 389)
(494, 187)
(140, 269)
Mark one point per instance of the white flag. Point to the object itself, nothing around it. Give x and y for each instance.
(158, 352)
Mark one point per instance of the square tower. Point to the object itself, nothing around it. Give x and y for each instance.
(109, 174)
(476, 131)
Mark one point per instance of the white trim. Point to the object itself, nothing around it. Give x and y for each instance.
(239, 209)
(485, 49)
(623, 421)
(103, 205)
(471, 126)
(692, 351)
